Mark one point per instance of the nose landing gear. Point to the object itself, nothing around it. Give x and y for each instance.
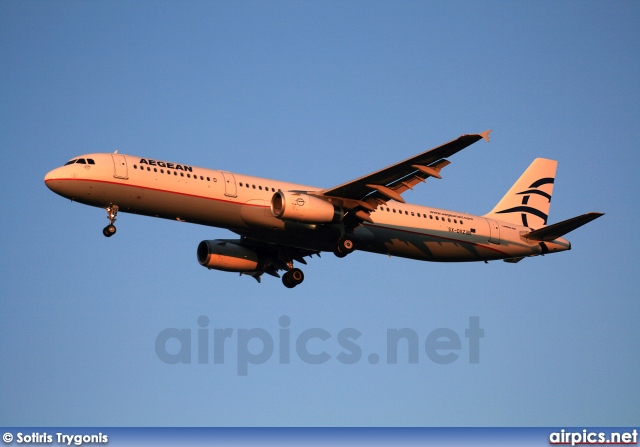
(112, 212)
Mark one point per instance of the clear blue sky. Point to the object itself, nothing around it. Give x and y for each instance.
(319, 93)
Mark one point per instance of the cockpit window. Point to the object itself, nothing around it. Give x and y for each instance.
(82, 161)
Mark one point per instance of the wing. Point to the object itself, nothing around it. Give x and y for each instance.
(364, 194)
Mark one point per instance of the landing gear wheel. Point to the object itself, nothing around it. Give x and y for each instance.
(344, 247)
(109, 230)
(296, 276)
(292, 278)
(287, 281)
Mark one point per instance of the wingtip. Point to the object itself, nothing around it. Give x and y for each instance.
(485, 134)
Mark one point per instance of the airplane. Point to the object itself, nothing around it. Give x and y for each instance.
(280, 222)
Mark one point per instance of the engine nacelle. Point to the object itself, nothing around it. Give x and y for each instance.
(298, 207)
(228, 256)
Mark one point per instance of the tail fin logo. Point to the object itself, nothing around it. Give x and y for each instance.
(525, 208)
(528, 201)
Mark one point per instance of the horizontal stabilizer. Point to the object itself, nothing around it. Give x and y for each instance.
(559, 229)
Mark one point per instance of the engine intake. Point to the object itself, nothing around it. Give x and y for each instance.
(228, 256)
(299, 207)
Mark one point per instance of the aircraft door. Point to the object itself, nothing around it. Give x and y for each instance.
(494, 231)
(230, 188)
(120, 166)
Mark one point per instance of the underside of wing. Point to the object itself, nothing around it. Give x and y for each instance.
(274, 257)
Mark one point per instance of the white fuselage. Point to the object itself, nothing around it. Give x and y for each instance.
(241, 204)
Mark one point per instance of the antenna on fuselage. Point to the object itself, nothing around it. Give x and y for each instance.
(116, 151)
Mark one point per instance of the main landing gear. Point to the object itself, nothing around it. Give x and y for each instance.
(292, 278)
(344, 247)
(112, 212)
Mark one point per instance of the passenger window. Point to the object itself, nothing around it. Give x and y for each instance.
(155, 169)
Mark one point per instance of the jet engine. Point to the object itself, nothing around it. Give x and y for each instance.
(228, 256)
(298, 207)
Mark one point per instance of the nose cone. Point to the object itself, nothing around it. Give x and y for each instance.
(51, 175)
(52, 180)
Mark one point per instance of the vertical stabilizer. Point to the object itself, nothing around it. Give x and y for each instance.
(527, 202)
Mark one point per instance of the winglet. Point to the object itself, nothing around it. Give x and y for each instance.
(485, 134)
